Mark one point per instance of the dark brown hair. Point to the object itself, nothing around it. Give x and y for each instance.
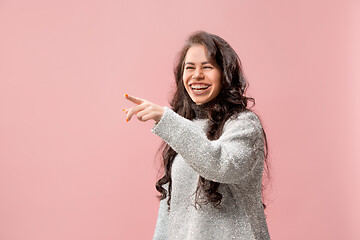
(231, 100)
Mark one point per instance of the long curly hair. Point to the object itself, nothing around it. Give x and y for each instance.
(231, 100)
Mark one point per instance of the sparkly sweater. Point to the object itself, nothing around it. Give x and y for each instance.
(235, 160)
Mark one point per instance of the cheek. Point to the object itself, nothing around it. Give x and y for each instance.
(185, 79)
(218, 83)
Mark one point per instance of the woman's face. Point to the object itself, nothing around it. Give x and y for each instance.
(202, 79)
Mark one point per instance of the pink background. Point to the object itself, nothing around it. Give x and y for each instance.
(72, 168)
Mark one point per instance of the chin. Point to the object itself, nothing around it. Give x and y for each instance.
(196, 101)
(200, 102)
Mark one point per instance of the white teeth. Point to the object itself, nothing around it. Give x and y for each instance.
(199, 86)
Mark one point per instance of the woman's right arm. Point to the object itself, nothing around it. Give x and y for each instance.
(228, 159)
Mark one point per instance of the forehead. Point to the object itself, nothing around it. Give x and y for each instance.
(197, 53)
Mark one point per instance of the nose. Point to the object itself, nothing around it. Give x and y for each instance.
(198, 74)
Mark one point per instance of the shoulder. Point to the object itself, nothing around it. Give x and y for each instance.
(246, 118)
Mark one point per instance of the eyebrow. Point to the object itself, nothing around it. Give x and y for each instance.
(194, 63)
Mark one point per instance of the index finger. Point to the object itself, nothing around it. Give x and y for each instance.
(134, 99)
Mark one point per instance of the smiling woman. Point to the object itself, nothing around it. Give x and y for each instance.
(213, 148)
(201, 78)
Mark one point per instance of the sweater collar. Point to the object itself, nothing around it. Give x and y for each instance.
(201, 110)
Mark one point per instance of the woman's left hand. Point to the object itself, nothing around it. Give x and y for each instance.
(144, 110)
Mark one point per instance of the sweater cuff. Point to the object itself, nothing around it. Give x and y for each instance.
(164, 122)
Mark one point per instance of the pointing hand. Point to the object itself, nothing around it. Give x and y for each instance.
(144, 110)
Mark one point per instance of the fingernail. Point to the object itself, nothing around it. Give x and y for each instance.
(127, 120)
(126, 95)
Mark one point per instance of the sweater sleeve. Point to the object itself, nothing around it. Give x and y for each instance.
(226, 160)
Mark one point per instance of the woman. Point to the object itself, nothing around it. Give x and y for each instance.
(213, 149)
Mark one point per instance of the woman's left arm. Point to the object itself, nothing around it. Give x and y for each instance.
(226, 160)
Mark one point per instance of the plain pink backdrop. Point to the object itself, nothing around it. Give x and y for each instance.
(72, 168)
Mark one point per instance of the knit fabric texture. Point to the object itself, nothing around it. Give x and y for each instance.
(235, 160)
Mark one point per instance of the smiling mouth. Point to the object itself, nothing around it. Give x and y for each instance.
(199, 89)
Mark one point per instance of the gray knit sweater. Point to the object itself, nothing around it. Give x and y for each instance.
(235, 160)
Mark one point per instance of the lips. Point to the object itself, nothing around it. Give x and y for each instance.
(199, 89)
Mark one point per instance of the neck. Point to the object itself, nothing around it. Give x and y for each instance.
(201, 110)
